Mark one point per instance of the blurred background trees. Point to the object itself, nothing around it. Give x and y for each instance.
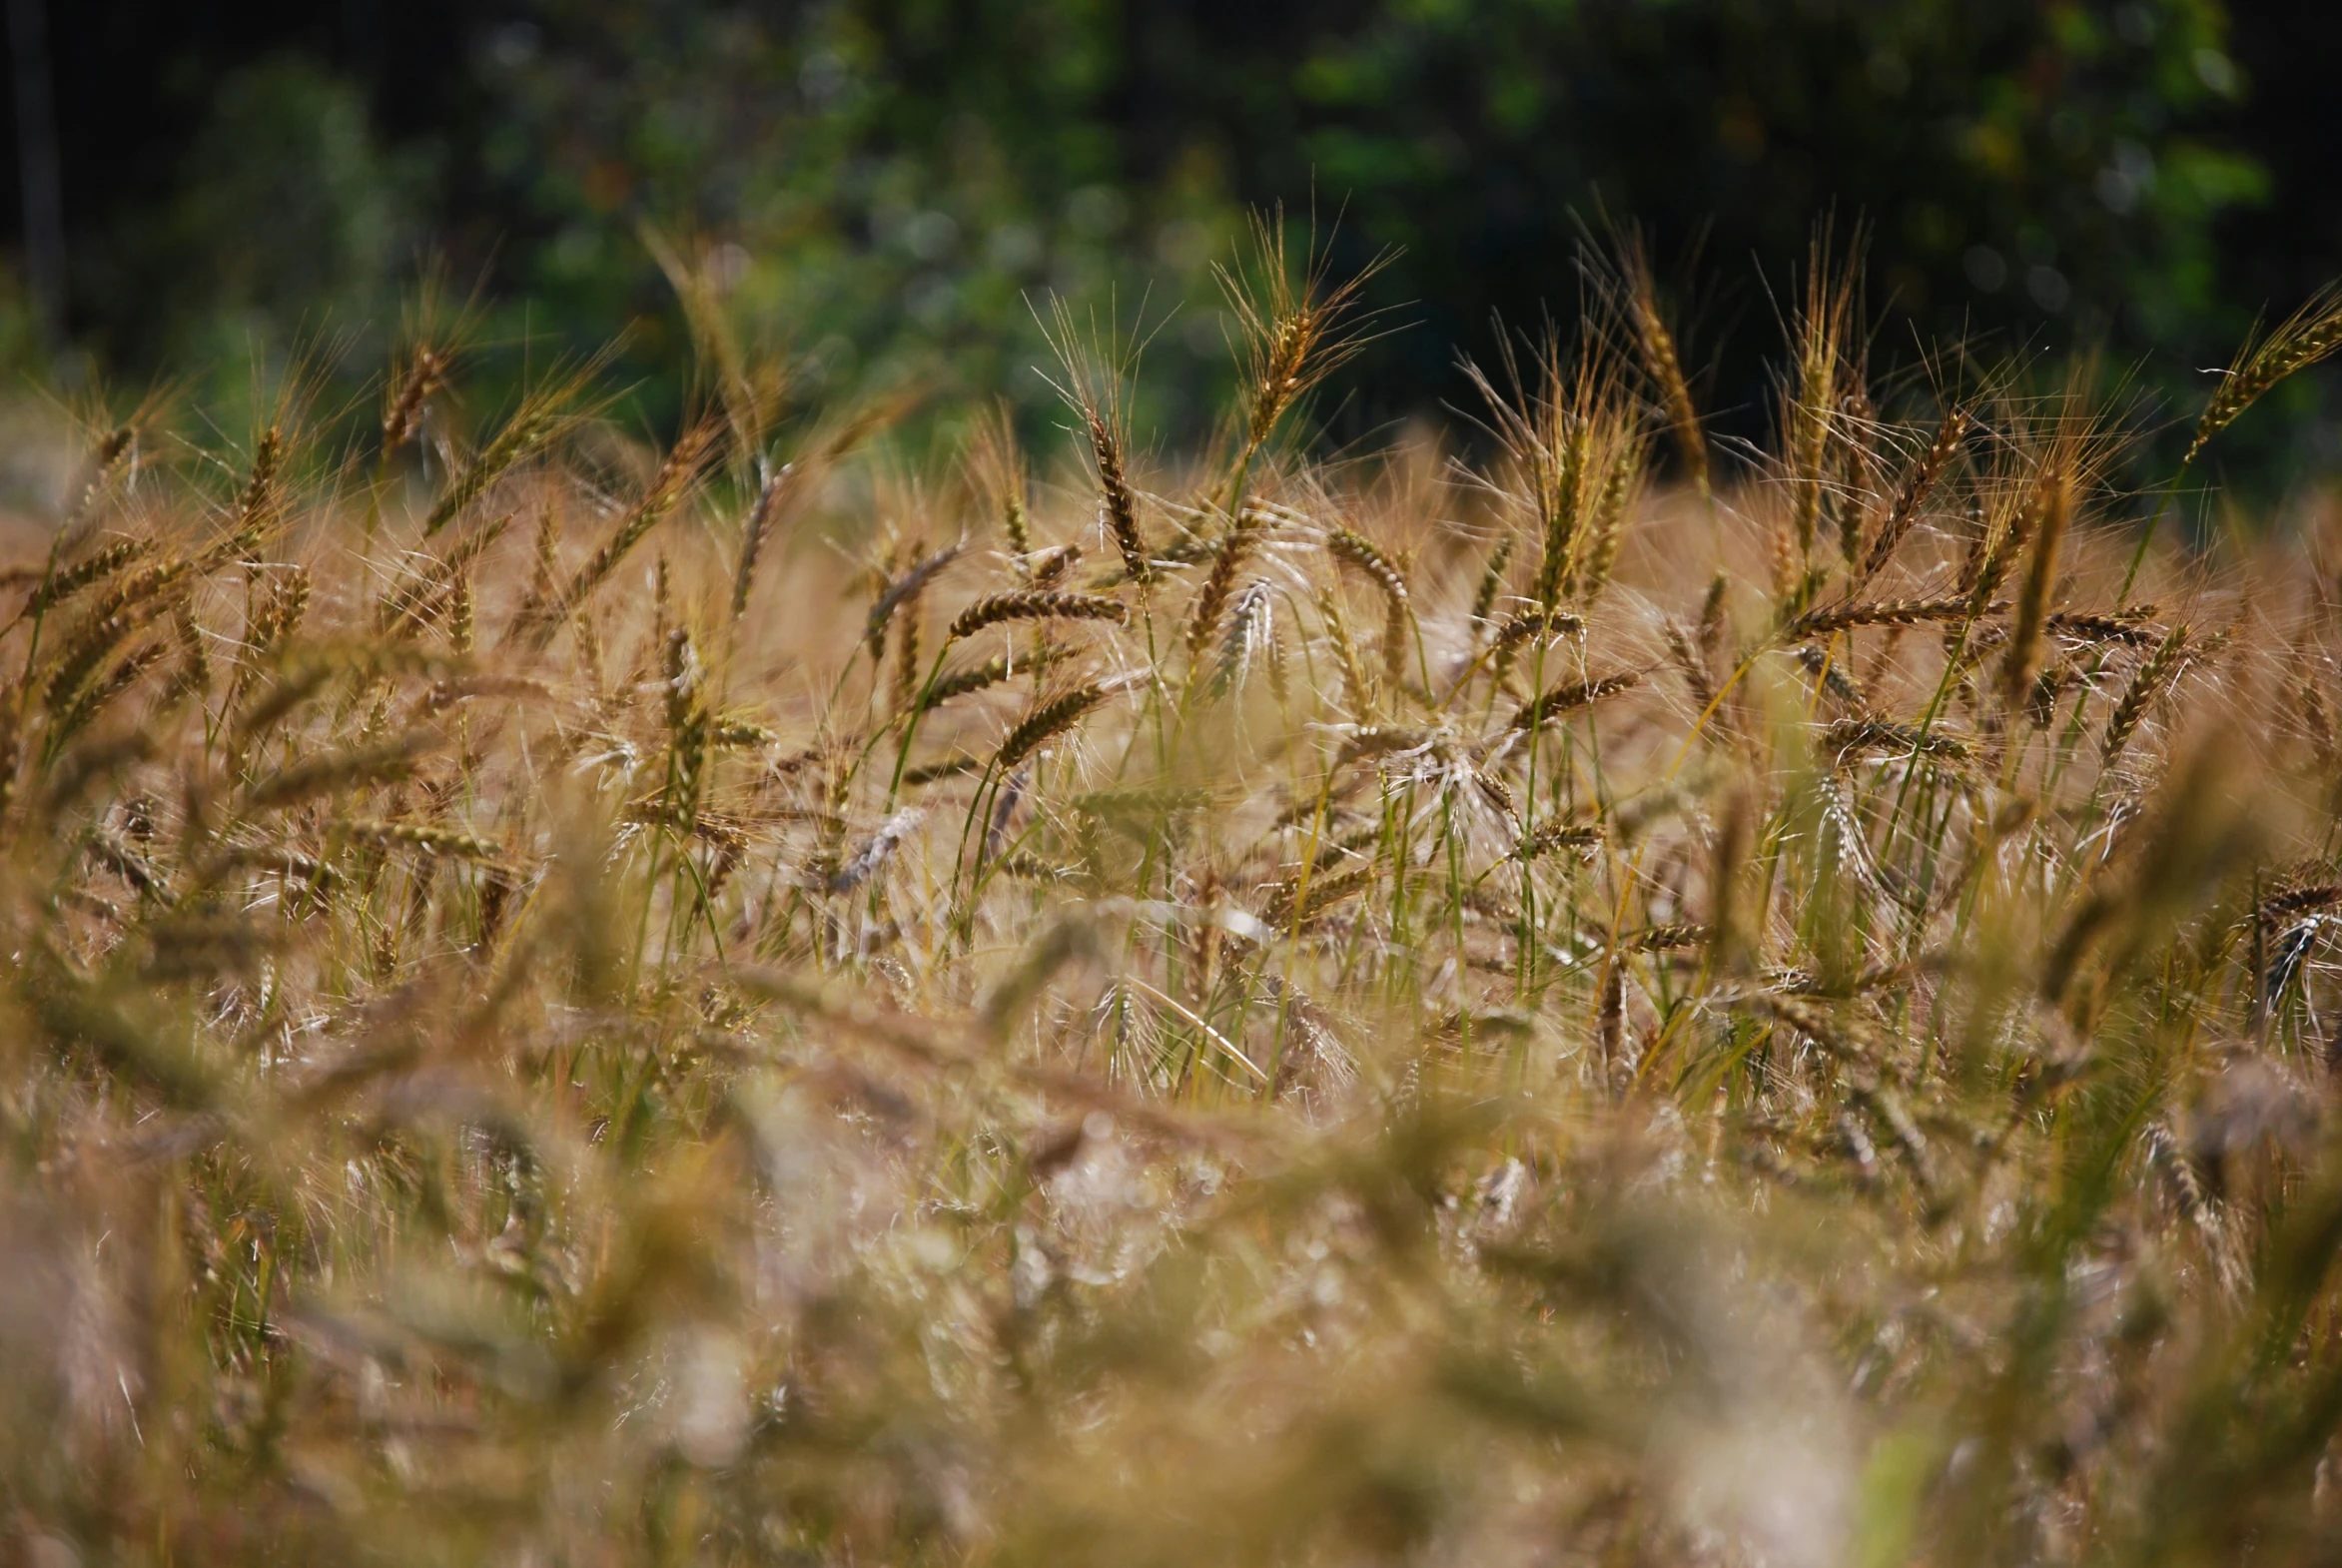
(883, 188)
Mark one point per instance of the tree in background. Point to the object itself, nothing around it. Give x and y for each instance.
(889, 186)
(2017, 165)
(888, 189)
(900, 177)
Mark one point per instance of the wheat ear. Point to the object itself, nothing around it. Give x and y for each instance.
(1030, 604)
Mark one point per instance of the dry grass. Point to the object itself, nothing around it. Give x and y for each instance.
(1427, 1013)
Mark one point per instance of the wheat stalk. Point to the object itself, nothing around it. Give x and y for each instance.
(1212, 599)
(436, 842)
(753, 530)
(1917, 486)
(1664, 364)
(2022, 660)
(1846, 737)
(1492, 580)
(425, 374)
(1570, 697)
(56, 586)
(1250, 637)
(963, 682)
(419, 598)
(1118, 502)
(334, 773)
(1830, 618)
(1035, 604)
(903, 590)
(2146, 684)
(2311, 333)
(542, 414)
(666, 490)
(1607, 527)
(1047, 722)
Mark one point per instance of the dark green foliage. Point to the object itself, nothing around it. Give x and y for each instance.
(882, 190)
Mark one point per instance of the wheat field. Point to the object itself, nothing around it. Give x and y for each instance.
(1587, 994)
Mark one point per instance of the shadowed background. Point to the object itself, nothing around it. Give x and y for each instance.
(882, 186)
